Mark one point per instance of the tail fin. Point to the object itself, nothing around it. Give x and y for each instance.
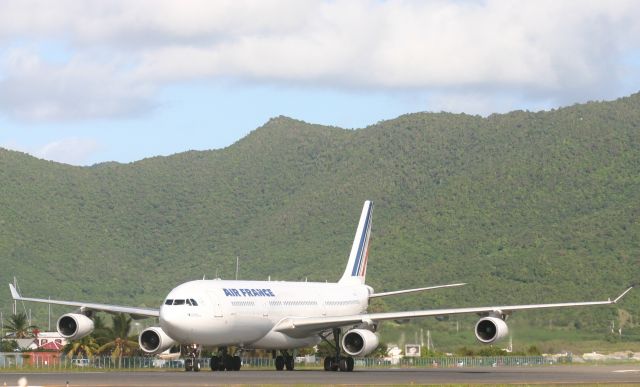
(357, 265)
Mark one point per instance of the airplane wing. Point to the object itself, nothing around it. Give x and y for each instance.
(301, 326)
(396, 292)
(133, 311)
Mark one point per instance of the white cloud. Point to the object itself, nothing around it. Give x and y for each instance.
(80, 89)
(72, 150)
(75, 151)
(125, 51)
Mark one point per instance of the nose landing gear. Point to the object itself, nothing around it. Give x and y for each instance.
(192, 354)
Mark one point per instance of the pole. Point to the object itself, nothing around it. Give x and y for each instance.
(15, 302)
(49, 326)
(237, 266)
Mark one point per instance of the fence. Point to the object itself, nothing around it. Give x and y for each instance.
(51, 361)
(47, 360)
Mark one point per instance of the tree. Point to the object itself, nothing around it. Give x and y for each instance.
(533, 351)
(118, 343)
(18, 325)
(89, 345)
(306, 351)
(381, 351)
(325, 349)
(426, 352)
(8, 346)
(492, 351)
(84, 347)
(101, 332)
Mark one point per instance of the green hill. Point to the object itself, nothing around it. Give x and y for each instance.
(525, 207)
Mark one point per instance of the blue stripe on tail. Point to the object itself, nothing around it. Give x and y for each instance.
(363, 248)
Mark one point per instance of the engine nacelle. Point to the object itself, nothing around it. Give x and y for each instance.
(153, 341)
(73, 326)
(491, 329)
(359, 342)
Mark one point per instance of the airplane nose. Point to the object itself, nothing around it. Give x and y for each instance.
(169, 320)
(175, 324)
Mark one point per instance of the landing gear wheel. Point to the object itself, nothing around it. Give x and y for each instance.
(350, 364)
(188, 364)
(342, 364)
(279, 363)
(214, 363)
(327, 363)
(192, 357)
(237, 363)
(288, 363)
(228, 362)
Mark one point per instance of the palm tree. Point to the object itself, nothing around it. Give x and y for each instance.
(84, 347)
(100, 331)
(118, 342)
(87, 346)
(18, 325)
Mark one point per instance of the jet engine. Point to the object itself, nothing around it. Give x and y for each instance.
(153, 341)
(359, 342)
(73, 326)
(491, 329)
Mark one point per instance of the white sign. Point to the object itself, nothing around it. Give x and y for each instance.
(412, 350)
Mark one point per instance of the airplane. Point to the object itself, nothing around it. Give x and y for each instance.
(282, 316)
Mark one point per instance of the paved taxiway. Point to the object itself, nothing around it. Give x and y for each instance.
(539, 375)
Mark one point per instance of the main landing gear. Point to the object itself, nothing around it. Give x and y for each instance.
(285, 360)
(225, 362)
(192, 354)
(337, 362)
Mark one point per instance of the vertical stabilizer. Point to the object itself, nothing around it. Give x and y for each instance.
(357, 265)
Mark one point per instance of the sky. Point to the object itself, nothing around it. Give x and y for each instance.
(84, 82)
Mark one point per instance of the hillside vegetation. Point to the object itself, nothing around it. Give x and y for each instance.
(525, 207)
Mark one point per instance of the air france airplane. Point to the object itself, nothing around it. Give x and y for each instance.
(281, 316)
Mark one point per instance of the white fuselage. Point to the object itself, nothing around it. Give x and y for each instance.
(244, 313)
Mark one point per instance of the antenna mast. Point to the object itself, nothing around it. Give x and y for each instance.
(15, 302)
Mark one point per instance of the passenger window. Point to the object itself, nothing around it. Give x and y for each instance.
(168, 302)
(178, 302)
(193, 302)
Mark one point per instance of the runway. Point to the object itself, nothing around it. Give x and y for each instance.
(623, 374)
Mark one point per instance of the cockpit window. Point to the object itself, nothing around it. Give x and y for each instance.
(189, 301)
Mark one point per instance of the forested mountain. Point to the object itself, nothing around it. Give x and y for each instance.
(524, 206)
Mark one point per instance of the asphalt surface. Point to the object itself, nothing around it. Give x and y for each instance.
(526, 375)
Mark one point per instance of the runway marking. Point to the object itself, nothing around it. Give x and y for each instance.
(53, 373)
(626, 371)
